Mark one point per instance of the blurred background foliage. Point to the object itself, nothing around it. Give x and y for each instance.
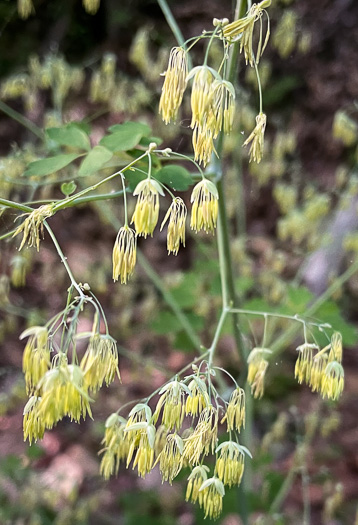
(294, 233)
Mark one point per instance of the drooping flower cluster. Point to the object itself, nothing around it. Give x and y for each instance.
(322, 369)
(181, 432)
(56, 386)
(212, 95)
(32, 227)
(204, 215)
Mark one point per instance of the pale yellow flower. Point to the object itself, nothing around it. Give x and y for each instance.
(202, 93)
(257, 370)
(145, 216)
(116, 447)
(199, 398)
(36, 358)
(174, 84)
(100, 362)
(203, 143)
(91, 6)
(229, 466)
(124, 254)
(212, 500)
(142, 443)
(204, 438)
(244, 27)
(304, 362)
(176, 227)
(222, 108)
(33, 423)
(235, 411)
(172, 401)
(204, 212)
(332, 381)
(32, 226)
(25, 8)
(63, 393)
(195, 480)
(171, 458)
(257, 139)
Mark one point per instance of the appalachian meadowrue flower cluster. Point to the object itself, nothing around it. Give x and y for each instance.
(59, 383)
(182, 432)
(204, 216)
(322, 368)
(212, 95)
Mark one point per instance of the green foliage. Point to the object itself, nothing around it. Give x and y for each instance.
(125, 136)
(40, 168)
(71, 135)
(174, 176)
(95, 160)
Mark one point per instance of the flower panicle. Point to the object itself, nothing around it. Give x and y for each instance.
(323, 372)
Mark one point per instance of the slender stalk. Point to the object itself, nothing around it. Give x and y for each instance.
(158, 283)
(63, 259)
(169, 299)
(258, 84)
(12, 113)
(216, 336)
(15, 205)
(284, 490)
(209, 45)
(93, 198)
(125, 202)
(174, 27)
(64, 204)
(285, 339)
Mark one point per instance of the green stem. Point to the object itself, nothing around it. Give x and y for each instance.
(184, 157)
(258, 83)
(12, 113)
(216, 336)
(125, 202)
(285, 339)
(93, 198)
(63, 259)
(11, 204)
(284, 490)
(226, 269)
(169, 299)
(158, 283)
(64, 204)
(174, 27)
(209, 45)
